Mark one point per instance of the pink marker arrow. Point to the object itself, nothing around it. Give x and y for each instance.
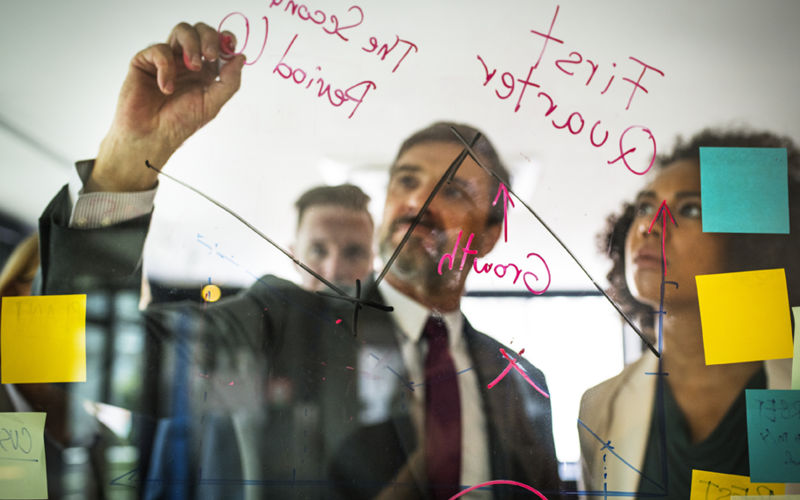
(661, 210)
(506, 198)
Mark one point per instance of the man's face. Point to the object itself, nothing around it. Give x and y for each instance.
(335, 242)
(462, 205)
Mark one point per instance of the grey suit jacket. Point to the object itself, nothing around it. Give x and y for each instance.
(272, 379)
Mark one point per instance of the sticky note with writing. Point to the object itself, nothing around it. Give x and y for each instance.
(23, 473)
(745, 316)
(773, 435)
(744, 190)
(768, 497)
(712, 485)
(43, 339)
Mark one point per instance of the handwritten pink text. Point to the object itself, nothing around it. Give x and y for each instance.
(508, 84)
(466, 251)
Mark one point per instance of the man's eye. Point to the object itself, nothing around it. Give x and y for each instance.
(319, 251)
(452, 192)
(355, 253)
(407, 181)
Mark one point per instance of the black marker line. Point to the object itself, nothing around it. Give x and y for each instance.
(19, 459)
(281, 249)
(449, 173)
(357, 300)
(610, 300)
(133, 473)
(607, 444)
(356, 308)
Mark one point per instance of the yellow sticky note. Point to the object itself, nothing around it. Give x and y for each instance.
(712, 485)
(767, 497)
(23, 473)
(745, 316)
(43, 339)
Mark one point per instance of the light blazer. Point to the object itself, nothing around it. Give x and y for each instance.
(620, 410)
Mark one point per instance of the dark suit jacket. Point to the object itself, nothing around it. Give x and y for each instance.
(297, 422)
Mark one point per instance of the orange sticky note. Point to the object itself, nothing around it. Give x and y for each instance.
(745, 316)
(43, 339)
(712, 485)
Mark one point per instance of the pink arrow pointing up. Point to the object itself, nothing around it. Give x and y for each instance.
(506, 198)
(661, 210)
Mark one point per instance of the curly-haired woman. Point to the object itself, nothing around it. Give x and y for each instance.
(704, 415)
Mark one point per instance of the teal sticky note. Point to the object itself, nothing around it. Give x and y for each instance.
(744, 190)
(773, 435)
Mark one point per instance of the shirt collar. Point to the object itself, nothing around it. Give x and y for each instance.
(412, 316)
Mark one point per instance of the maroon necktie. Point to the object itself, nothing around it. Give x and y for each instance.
(442, 414)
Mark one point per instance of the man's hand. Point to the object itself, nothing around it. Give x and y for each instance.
(170, 92)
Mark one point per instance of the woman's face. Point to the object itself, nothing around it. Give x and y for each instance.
(689, 251)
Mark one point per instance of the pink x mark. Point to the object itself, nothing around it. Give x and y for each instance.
(512, 363)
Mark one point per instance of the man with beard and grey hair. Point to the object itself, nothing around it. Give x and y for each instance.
(402, 410)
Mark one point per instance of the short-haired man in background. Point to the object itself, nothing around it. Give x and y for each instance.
(334, 236)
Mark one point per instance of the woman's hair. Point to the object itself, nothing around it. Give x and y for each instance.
(21, 265)
(747, 251)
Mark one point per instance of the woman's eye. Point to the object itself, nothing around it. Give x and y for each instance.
(644, 209)
(691, 210)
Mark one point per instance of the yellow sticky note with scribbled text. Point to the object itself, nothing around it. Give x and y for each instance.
(712, 485)
(43, 339)
(767, 497)
(23, 472)
(745, 316)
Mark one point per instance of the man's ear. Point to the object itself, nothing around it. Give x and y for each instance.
(489, 238)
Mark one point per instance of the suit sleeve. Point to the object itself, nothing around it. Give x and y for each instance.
(79, 261)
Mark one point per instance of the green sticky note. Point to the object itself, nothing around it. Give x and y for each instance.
(23, 472)
(773, 428)
(745, 316)
(43, 339)
(744, 190)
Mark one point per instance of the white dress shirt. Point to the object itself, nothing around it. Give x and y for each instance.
(411, 318)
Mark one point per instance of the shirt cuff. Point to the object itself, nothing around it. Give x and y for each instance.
(102, 209)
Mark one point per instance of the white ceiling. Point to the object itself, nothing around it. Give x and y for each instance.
(725, 62)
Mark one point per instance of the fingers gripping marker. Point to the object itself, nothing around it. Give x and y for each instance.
(226, 41)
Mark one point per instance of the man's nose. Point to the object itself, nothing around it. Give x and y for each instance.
(330, 267)
(418, 198)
